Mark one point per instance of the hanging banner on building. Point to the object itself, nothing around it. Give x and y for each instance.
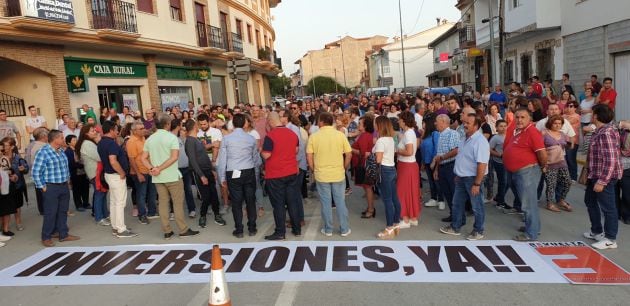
(167, 72)
(55, 10)
(131, 101)
(104, 68)
(363, 261)
(171, 100)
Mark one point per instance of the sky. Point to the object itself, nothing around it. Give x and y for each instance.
(303, 25)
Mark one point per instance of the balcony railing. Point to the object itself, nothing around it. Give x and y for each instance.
(237, 43)
(202, 36)
(215, 38)
(467, 37)
(14, 106)
(13, 8)
(114, 14)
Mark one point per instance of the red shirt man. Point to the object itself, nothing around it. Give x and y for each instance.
(520, 147)
(607, 95)
(536, 86)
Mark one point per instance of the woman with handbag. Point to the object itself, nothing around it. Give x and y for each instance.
(384, 150)
(556, 171)
(9, 162)
(408, 182)
(361, 149)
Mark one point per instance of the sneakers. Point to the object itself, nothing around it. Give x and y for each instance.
(413, 222)
(171, 217)
(325, 233)
(103, 222)
(20, 227)
(134, 212)
(155, 216)
(192, 214)
(449, 230)
(441, 205)
(126, 234)
(168, 236)
(143, 220)
(189, 233)
(404, 225)
(202, 221)
(431, 203)
(218, 219)
(346, 234)
(596, 237)
(605, 244)
(4, 238)
(8, 233)
(474, 235)
(275, 237)
(503, 206)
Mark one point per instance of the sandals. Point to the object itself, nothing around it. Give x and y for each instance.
(565, 206)
(368, 214)
(553, 207)
(388, 233)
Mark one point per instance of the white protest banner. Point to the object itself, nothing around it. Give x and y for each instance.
(171, 100)
(364, 261)
(131, 101)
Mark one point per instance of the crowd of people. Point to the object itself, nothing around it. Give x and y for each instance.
(472, 149)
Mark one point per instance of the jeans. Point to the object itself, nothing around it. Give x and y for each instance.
(510, 184)
(599, 203)
(433, 186)
(301, 192)
(284, 191)
(571, 158)
(146, 195)
(56, 202)
(499, 168)
(525, 181)
(187, 178)
(166, 191)
(447, 185)
(463, 187)
(98, 203)
(117, 200)
(390, 195)
(337, 190)
(624, 195)
(209, 195)
(243, 189)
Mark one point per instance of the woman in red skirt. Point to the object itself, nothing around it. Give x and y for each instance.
(361, 149)
(408, 183)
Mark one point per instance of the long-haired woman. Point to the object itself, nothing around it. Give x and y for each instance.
(384, 149)
(88, 155)
(408, 183)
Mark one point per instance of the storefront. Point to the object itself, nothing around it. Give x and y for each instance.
(113, 84)
(179, 85)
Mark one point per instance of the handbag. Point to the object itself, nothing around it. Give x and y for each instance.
(372, 170)
(359, 172)
(583, 178)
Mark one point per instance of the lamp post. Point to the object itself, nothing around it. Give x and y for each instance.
(343, 66)
(493, 54)
(402, 46)
(312, 75)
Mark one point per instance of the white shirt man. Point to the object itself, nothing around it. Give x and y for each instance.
(34, 121)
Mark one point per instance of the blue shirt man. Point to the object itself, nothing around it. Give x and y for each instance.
(500, 98)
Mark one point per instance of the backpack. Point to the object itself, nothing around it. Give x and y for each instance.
(372, 170)
(99, 180)
(624, 135)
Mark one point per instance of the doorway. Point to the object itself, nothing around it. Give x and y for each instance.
(478, 73)
(117, 97)
(526, 68)
(544, 63)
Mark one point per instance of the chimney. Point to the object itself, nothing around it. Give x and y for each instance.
(438, 20)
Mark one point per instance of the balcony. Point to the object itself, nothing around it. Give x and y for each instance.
(211, 39)
(13, 106)
(32, 21)
(215, 38)
(115, 19)
(467, 37)
(237, 43)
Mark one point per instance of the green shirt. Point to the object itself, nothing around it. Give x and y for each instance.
(159, 147)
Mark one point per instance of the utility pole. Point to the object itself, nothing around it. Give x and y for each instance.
(343, 66)
(501, 41)
(310, 59)
(336, 89)
(491, 70)
(402, 46)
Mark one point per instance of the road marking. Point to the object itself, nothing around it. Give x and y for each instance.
(289, 289)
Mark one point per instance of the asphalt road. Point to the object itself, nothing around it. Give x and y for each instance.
(556, 227)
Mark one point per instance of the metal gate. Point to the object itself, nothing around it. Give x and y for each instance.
(622, 86)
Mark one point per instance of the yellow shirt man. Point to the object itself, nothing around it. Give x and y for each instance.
(328, 147)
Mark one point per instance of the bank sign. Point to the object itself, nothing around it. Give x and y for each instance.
(55, 10)
(105, 68)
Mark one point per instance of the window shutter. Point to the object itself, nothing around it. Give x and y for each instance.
(145, 6)
(176, 3)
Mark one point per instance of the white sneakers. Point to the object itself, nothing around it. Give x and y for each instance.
(403, 224)
(2, 244)
(431, 203)
(4, 238)
(441, 205)
(602, 243)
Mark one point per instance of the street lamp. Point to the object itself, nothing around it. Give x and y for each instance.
(343, 64)
(493, 53)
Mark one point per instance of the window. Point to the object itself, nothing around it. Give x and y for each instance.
(217, 90)
(516, 3)
(266, 42)
(239, 27)
(243, 93)
(176, 10)
(258, 39)
(508, 71)
(145, 6)
(200, 18)
(249, 33)
(172, 96)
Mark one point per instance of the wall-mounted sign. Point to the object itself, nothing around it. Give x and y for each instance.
(444, 57)
(77, 83)
(55, 10)
(105, 68)
(166, 72)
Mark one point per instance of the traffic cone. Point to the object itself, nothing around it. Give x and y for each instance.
(219, 294)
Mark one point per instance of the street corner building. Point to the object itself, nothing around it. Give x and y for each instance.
(137, 53)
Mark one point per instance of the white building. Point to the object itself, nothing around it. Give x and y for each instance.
(418, 58)
(447, 59)
(596, 36)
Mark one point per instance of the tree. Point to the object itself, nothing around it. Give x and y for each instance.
(323, 84)
(279, 85)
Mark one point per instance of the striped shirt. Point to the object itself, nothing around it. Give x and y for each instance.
(603, 155)
(449, 140)
(50, 166)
